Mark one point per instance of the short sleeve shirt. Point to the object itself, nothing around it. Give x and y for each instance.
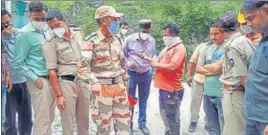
(212, 84)
(171, 80)
(238, 53)
(194, 59)
(62, 54)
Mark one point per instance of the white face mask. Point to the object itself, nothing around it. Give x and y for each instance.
(59, 31)
(246, 29)
(41, 26)
(169, 41)
(123, 31)
(144, 36)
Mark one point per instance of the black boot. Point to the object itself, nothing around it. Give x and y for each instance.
(192, 127)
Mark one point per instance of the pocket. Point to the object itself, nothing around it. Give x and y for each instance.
(262, 61)
(102, 57)
(65, 54)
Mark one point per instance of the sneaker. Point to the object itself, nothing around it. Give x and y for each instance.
(144, 130)
(192, 127)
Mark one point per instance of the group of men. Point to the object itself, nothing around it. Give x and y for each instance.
(231, 75)
(101, 73)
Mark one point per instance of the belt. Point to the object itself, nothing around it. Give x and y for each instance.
(110, 81)
(44, 76)
(233, 87)
(140, 72)
(68, 77)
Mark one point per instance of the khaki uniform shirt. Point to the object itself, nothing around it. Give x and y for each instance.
(194, 59)
(62, 54)
(106, 56)
(238, 53)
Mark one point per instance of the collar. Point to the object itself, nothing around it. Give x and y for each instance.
(256, 36)
(169, 48)
(138, 38)
(102, 37)
(230, 39)
(31, 28)
(65, 39)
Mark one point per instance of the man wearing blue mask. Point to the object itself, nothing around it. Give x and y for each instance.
(139, 70)
(31, 64)
(103, 51)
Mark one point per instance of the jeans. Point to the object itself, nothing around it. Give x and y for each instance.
(3, 103)
(143, 81)
(169, 103)
(214, 113)
(19, 101)
(254, 127)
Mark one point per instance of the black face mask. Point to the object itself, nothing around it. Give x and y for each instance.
(5, 25)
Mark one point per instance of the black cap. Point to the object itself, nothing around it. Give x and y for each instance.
(253, 4)
(228, 21)
(54, 14)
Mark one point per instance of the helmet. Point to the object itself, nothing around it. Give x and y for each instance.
(241, 18)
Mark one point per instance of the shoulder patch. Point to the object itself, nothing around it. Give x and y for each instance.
(231, 62)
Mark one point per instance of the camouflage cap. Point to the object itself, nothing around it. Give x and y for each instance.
(105, 11)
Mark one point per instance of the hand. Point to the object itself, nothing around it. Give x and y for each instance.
(145, 57)
(133, 66)
(265, 132)
(7, 31)
(189, 80)
(96, 88)
(154, 63)
(8, 83)
(81, 71)
(39, 83)
(61, 102)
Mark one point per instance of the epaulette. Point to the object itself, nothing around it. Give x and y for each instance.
(91, 35)
(50, 37)
(76, 29)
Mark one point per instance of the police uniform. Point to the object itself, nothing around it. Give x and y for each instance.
(107, 62)
(63, 55)
(238, 52)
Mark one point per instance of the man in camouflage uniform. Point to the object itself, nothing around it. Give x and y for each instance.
(62, 54)
(109, 95)
(238, 52)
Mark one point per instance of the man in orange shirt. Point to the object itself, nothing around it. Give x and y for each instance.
(169, 74)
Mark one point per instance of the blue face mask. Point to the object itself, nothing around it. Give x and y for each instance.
(114, 27)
